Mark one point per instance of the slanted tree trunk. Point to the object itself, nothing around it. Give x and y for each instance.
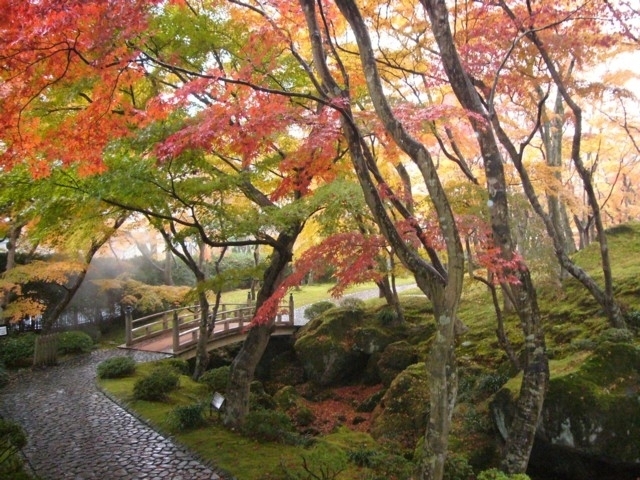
(244, 364)
(606, 296)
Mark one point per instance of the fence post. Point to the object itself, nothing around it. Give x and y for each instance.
(45, 350)
(128, 320)
(291, 309)
(176, 332)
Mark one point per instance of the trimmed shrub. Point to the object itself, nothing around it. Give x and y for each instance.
(74, 342)
(186, 417)
(17, 350)
(216, 379)
(157, 385)
(180, 365)
(116, 367)
(268, 426)
(318, 309)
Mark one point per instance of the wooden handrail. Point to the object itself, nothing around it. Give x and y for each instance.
(185, 321)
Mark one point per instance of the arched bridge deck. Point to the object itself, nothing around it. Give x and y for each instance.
(176, 332)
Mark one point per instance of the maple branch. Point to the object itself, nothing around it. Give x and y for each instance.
(234, 81)
(458, 158)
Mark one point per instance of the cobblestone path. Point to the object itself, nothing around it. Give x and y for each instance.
(75, 432)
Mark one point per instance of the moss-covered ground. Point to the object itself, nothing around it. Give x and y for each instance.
(578, 339)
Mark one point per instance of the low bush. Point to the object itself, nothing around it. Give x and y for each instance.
(216, 379)
(12, 439)
(495, 474)
(116, 367)
(457, 467)
(157, 385)
(17, 350)
(268, 426)
(353, 303)
(318, 308)
(74, 342)
(180, 365)
(387, 316)
(186, 417)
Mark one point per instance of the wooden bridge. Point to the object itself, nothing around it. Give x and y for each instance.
(176, 332)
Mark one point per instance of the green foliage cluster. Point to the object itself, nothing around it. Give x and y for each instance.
(268, 426)
(216, 379)
(495, 474)
(318, 308)
(325, 462)
(17, 350)
(156, 385)
(12, 439)
(457, 467)
(187, 417)
(180, 365)
(116, 367)
(382, 465)
(387, 316)
(74, 342)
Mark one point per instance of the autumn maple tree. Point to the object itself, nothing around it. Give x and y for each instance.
(235, 123)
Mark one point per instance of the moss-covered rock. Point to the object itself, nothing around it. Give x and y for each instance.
(596, 410)
(401, 416)
(340, 344)
(591, 413)
(395, 358)
(288, 400)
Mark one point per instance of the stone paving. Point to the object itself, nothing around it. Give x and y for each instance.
(75, 432)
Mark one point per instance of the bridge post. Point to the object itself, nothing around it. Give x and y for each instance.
(176, 331)
(291, 309)
(128, 320)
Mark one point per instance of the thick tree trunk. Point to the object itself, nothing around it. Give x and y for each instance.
(529, 405)
(443, 382)
(443, 286)
(244, 364)
(202, 355)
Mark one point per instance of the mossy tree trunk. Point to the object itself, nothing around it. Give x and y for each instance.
(523, 293)
(443, 285)
(244, 364)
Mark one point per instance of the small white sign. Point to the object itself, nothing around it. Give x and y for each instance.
(3, 330)
(217, 401)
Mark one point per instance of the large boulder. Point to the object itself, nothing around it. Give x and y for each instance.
(401, 416)
(590, 425)
(325, 348)
(344, 344)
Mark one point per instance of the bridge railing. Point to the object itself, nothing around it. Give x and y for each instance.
(184, 323)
